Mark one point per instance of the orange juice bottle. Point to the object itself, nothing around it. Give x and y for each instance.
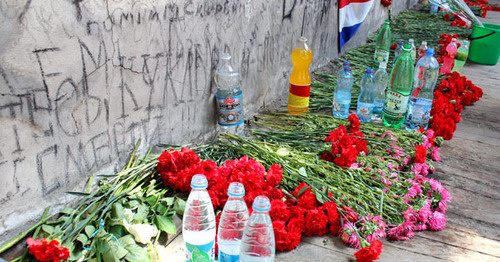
(300, 79)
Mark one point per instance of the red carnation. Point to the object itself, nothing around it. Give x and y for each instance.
(370, 253)
(47, 251)
(420, 154)
(279, 210)
(274, 175)
(354, 123)
(317, 223)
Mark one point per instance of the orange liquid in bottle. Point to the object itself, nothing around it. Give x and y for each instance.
(300, 79)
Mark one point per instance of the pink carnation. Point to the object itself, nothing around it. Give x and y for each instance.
(435, 154)
(445, 199)
(354, 166)
(402, 232)
(411, 216)
(425, 212)
(426, 143)
(421, 227)
(349, 236)
(414, 191)
(437, 221)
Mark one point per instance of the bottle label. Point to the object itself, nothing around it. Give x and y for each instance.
(418, 113)
(230, 110)
(200, 253)
(223, 257)
(396, 104)
(299, 95)
(378, 108)
(381, 55)
(337, 107)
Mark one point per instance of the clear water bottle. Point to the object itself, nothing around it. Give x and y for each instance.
(413, 51)
(381, 80)
(258, 240)
(398, 51)
(398, 91)
(230, 115)
(434, 8)
(422, 50)
(342, 69)
(232, 224)
(425, 78)
(366, 97)
(198, 222)
(342, 95)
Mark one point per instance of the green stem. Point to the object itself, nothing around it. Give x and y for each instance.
(23, 234)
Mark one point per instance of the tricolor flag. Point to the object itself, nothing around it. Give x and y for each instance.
(352, 13)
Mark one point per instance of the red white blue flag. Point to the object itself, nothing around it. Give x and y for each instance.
(352, 13)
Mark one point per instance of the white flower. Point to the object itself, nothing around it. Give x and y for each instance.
(141, 232)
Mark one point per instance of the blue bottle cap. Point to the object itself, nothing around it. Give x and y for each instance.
(236, 189)
(261, 203)
(430, 51)
(199, 181)
(401, 42)
(347, 63)
(369, 70)
(347, 68)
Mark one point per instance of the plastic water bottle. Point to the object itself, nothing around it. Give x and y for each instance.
(232, 224)
(342, 95)
(258, 240)
(398, 92)
(381, 80)
(383, 46)
(449, 58)
(198, 223)
(461, 57)
(413, 51)
(342, 69)
(422, 50)
(434, 8)
(398, 51)
(366, 98)
(425, 78)
(229, 98)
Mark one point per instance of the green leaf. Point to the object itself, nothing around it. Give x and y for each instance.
(117, 210)
(283, 151)
(161, 209)
(303, 172)
(127, 240)
(136, 254)
(48, 229)
(119, 251)
(151, 200)
(168, 200)
(319, 197)
(89, 230)
(179, 206)
(141, 213)
(132, 204)
(302, 190)
(68, 210)
(118, 231)
(165, 224)
(82, 238)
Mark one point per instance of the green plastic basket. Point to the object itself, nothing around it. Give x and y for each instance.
(485, 44)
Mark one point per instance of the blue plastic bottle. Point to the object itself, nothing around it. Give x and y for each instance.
(366, 98)
(342, 96)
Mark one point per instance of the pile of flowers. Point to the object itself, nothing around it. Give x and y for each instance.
(456, 21)
(44, 250)
(450, 96)
(346, 146)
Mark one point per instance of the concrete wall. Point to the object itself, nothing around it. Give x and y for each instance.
(82, 80)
